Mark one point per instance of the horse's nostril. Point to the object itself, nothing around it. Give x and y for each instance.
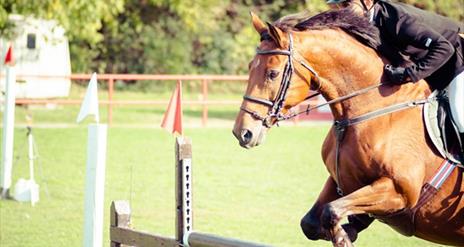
(246, 136)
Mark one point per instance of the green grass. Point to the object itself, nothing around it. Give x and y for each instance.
(257, 195)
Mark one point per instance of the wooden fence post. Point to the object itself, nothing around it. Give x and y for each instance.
(204, 118)
(110, 100)
(120, 216)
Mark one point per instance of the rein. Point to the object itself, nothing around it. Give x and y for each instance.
(337, 100)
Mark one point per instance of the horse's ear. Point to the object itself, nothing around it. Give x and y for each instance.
(276, 34)
(258, 23)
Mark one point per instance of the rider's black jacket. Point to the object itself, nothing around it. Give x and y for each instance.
(431, 41)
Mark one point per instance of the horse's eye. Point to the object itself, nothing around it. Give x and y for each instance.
(272, 74)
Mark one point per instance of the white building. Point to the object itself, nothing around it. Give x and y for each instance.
(41, 48)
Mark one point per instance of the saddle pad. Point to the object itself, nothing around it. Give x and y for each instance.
(430, 116)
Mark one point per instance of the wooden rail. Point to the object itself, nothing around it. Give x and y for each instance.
(121, 233)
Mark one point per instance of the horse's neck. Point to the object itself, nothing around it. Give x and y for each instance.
(345, 66)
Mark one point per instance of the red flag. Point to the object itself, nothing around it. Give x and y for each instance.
(172, 120)
(9, 56)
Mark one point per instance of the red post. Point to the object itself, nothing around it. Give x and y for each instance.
(204, 119)
(110, 100)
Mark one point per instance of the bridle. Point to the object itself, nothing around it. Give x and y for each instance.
(275, 112)
(276, 105)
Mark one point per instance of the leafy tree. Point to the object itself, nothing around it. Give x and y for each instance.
(170, 36)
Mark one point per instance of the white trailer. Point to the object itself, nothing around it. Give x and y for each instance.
(40, 48)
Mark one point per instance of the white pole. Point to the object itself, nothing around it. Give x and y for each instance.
(8, 131)
(95, 185)
(95, 174)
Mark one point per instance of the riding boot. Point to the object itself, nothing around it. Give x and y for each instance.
(456, 100)
(462, 146)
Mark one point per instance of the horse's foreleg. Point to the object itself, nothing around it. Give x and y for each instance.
(356, 224)
(380, 197)
(311, 222)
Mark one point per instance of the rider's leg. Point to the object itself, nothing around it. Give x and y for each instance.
(456, 98)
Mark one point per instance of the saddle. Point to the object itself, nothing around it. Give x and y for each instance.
(441, 129)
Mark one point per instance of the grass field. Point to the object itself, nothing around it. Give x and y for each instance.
(258, 195)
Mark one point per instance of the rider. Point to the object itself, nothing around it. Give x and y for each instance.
(432, 42)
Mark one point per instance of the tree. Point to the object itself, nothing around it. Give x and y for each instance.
(170, 36)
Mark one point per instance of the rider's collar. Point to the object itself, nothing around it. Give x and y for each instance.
(371, 15)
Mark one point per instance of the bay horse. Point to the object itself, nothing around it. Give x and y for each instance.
(378, 165)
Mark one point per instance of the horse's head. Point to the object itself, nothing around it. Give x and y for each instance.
(279, 79)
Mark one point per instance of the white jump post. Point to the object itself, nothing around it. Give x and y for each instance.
(8, 126)
(95, 173)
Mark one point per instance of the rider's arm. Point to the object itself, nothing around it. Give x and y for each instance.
(439, 50)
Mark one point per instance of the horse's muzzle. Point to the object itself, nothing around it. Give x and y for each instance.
(249, 138)
(244, 137)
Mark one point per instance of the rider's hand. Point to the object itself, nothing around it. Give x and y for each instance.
(395, 75)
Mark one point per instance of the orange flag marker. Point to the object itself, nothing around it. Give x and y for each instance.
(172, 120)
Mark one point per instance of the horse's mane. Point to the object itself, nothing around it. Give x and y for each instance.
(357, 26)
